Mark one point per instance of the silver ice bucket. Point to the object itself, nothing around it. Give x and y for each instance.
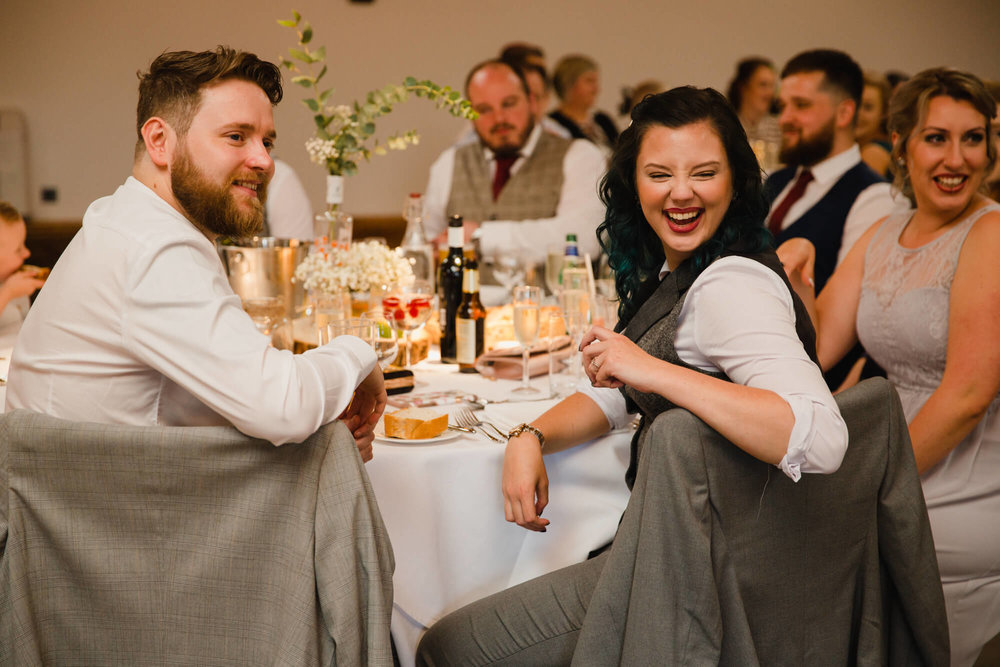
(265, 266)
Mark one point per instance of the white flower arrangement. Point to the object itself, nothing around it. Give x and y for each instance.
(363, 266)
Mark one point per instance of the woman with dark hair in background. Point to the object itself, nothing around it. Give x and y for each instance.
(752, 93)
(577, 82)
(921, 291)
(726, 339)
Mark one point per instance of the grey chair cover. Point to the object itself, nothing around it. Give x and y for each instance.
(123, 545)
(721, 559)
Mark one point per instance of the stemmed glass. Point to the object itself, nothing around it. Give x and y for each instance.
(268, 315)
(508, 268)
(527, 301)
(383, 338)
(408, 306)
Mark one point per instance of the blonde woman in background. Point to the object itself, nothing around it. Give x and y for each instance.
(577, 82)
(921, 291)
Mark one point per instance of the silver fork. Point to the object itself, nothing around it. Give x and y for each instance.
(469, 420)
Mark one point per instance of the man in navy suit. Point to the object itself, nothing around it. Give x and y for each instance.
(820, 93)
(825, 193)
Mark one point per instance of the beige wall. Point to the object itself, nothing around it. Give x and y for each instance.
(70, 65)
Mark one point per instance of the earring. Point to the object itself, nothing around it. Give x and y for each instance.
(900, 161)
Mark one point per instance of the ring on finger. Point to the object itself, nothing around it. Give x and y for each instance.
(596, 366)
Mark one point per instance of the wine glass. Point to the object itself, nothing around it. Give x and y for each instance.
(574, 296)
(268, 315)
(508, 268)
(383, 338)
(351, 326)
(527, 301)
(408, 306)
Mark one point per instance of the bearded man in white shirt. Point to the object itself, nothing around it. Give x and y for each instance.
(138, 324)
(518, 187)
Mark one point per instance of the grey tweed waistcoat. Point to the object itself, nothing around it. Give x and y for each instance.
(654, 328)
(533, 192)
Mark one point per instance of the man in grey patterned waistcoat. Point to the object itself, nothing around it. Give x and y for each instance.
(552, 185)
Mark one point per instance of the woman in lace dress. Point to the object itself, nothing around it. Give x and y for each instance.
(922, 292)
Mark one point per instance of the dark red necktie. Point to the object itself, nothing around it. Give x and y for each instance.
(795, 194)
(502, 174)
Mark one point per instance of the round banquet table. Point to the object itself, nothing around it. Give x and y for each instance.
(443, 509)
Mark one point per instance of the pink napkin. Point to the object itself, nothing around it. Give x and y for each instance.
(507, 363)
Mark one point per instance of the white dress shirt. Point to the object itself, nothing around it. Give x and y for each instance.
(738, 318)
(13, 316)
(579, 212)
(872, 204)
(137, 324)
(289, 213)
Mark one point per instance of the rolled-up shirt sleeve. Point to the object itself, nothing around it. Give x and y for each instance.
(740, 319)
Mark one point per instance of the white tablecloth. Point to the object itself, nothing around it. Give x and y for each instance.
(443, 509)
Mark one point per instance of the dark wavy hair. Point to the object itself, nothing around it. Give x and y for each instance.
(635, 252)
(745, 70)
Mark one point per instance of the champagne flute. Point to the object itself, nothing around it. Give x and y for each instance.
(408, 306)
(383, 338)
(527, 301)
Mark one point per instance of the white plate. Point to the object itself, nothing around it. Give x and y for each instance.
(382, 437)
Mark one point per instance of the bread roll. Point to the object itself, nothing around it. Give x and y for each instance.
(40, 272)
(415, 423)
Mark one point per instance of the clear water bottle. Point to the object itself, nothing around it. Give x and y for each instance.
(415, 247)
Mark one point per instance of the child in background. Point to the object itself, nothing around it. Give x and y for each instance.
(16, 283)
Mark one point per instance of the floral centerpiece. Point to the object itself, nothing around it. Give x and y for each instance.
(362, 267)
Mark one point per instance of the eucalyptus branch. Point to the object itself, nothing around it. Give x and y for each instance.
(343, 130)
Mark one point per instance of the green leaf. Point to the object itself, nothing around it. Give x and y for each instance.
(300, 55)
(322, 72)
(454, 95)
(409, 81)
(288, 23)
(319, 55)
(312, 104)
(368, 128)
(303, 80)
(321, 122)
(385, 110)
(307, 34)
(326, 93)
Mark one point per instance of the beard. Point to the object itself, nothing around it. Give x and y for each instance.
(212, 206)
(811, 151)
(508, 148)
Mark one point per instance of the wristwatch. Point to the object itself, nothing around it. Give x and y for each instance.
(521, 428)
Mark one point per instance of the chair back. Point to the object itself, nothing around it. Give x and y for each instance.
(751, 568)
(186, 545)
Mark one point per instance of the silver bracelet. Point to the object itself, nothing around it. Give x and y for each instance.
(521, 428)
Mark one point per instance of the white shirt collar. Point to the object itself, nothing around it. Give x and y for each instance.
(529, 146)
(832, 168)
